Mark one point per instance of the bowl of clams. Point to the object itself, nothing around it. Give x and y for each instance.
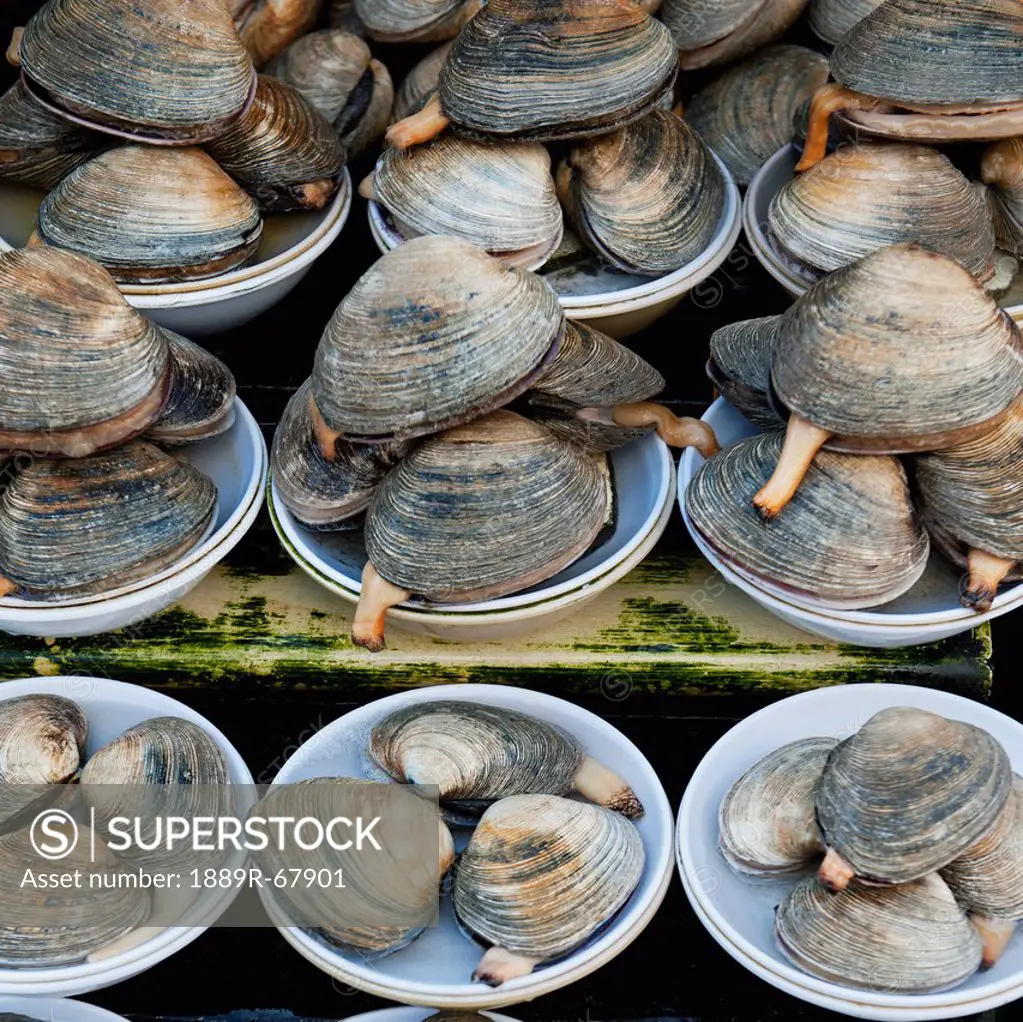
(859, 848)
(93, 749)
(553, 854)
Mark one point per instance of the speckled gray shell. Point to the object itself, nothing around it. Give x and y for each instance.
(140, 69)
(123, 515)
(740, 367)
(153, 215)
(832, 20)
(849, 538)
(542, 873)
(908, 939)
(484, 510)
(647, 198)
(909, 792)
(420, 83)
(747, 114)
(563, 69)
(766, 821)
(435, 333)
(266, 27)
(1002, 171)
(414, 21)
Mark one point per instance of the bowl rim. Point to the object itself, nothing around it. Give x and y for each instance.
(56, 1009)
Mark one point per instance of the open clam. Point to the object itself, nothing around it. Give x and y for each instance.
(906, 795)
(152, 215)
(540, 875)
(849, 539)
(420, 83)
(267, 26)
(861, 365)
(476, 754)
(740, 367)
(477, 512)
(832, 20)
(767, 819)
(1002, 171)
(415, 21)
(560, 69)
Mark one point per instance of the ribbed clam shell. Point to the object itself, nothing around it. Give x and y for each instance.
(766, 820)
(1002, 170)
(849, 538)
(935, 52)
(902, 364)
(546, 69)
(647, 198)
(86, 362)
(63, 925)
(740, 367)
(325, 494)
(420, 83)
(485, 509)
(864, 197)
(266, 27)
(497, 195)
(201, 401)
(832, 20)
(414, 21)
(91, 524)
(140, 68)
(909, 792)
(746, 115)
(434, 333)
(283, 150)
(911, 939)
(542, 873)
(152, 215)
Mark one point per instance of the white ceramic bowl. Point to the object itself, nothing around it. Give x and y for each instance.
(111, 707)
(291, 243)
(739, 911)
(237, 462)
(435, 969)
(928, 612)
(58, 1009)
(385, 1015)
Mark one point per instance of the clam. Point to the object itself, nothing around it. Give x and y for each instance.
(342, 14)
(93, 524)
(321, 494)
(864, 197)
(475, 754)
(420, 83)
(152, 215)
(861, 365)
(415, 21)
(766, 820)
(540, 876)
(547, 69)
(832, 20)
(82, 370)
(849, 539)
(971, 498)
(926, 71)
(746, 115)
(646, 198)
(266, 27)
(434, 334)
(708, 34)
(475, 513)
(283, 150)
(336, 72)
(497, 195)
(1002, 171)
(740, 367)
(910, 939)
(906, 795)
(391, 893)
(139, 69)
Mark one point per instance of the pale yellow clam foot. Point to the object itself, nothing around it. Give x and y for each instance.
(674, 430)
(377, 597)
(829, 99)
(986, 574)
(367, 187)
(418, 127)
(326, 438)
(599, 784)
(802, 442)
(499, 966)
(13, 54)
(835, 873)
(6, 587)
(995, 935)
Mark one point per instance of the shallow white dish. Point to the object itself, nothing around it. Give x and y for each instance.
(386, 1015)
(112, 707)
(237, 462)
(928, 612)
(58, 1009)
(435, 969)
(739, 911)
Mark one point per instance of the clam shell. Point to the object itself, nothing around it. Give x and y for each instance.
(912, 938)
(92, 524)
(562, 69)
(435, 333)
(740, 367)
(80, 372)
(152, 215)
(849, 538)
(140, 69)
(766, 820)
(541, 874)
(484, 510)
(746, 115)
(414, 21)
(266, 27)
(909, 792)
(420, 83)
(342, 14)
(864, 197)
(832, 20)
(1002, 170)
(647, 198)
(282, 150)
